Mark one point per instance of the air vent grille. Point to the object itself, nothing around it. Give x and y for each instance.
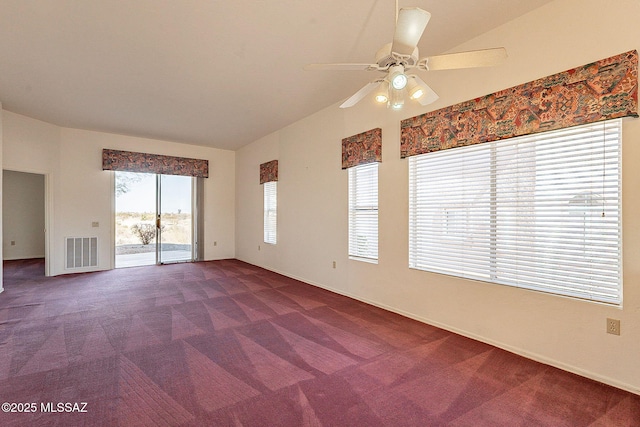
(81, 252)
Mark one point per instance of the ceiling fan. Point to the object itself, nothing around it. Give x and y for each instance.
(400, 56)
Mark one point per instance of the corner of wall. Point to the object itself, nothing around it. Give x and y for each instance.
(1, 278)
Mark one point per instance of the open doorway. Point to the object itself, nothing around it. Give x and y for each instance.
(154, 219)
(23, 221)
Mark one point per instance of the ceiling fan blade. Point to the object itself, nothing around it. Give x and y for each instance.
(409, 28)
(429, 96)
(470, 59)
(356, 97)
(343, 67)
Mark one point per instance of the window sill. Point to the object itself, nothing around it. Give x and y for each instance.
(367, 260)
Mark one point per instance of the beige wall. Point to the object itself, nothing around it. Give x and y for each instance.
(80, 192)
(312, 205)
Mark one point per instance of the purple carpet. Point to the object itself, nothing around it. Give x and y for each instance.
(225, 343)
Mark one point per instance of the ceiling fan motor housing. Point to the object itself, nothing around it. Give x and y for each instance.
(385, 58)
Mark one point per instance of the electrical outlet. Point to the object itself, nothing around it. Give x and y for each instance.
(334, 264)
(613, 326)
(95, 224)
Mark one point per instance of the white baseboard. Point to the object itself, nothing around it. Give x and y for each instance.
(16, 258)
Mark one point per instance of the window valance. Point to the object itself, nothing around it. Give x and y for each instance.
(362, 148)
(153, 163)
(602, 90)
(269, 171)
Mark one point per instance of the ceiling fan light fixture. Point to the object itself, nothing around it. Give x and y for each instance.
(417, 94)
(396, 100)
(416, 91)
(382, 96)
(399, 81)
(397, 77)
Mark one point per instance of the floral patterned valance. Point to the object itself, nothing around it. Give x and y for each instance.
(269, 171)
(153, 163)
(602, 90)
(362, 148)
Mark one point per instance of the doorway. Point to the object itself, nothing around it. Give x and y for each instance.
(24, 219)
(153, 219)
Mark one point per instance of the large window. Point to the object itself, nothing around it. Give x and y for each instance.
(540, 212)
(363, 212)
(270, 211)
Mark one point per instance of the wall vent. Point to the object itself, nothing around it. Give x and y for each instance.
(81, 252)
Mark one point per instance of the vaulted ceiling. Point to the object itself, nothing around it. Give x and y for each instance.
(206, 72)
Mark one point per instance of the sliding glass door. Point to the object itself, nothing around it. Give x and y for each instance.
(175, 218)
(135, 212)
(153, 219)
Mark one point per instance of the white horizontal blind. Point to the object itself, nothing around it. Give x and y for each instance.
(540, 212)
(363, 211)
(270, 211)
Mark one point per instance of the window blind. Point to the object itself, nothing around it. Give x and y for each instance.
(270, 211)
(540, 212)
(363, 211)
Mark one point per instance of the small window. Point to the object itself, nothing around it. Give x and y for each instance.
(540, 212)
(270, 211)
(363, 212)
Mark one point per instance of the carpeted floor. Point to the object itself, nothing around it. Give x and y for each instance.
(224, 343)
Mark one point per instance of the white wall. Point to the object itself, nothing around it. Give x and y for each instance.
(22, 215)
(312, 205)
(81, 192)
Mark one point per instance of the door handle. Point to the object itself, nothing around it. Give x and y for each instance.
(158, 222)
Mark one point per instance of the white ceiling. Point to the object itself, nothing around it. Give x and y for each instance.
(206, 72)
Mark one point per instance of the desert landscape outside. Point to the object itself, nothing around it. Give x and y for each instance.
(135, 219)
